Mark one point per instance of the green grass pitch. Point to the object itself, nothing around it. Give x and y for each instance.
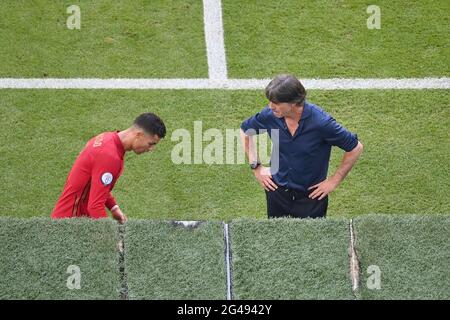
(165, 261)
(291, 259)
(145, 39)
(405, 134)
(412, 253)
(271, 259)
(36, 254)
(165, 39)
(404, 168)
(329, 39)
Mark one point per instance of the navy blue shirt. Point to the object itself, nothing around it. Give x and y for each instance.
(304, 157)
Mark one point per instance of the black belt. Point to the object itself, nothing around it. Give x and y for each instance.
(295, 193)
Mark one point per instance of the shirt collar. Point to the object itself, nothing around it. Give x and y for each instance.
(119, 144)
(307, 110)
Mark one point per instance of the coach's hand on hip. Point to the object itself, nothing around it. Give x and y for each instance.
(262, 174)
(323, 188)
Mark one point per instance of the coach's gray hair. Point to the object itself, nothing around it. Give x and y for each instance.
(285, 88)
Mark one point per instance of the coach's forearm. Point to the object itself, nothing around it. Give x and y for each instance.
(249, 146)
(347, 163)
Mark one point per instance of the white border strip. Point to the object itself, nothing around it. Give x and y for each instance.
(229, 84)
(215, 45)
(227, 259)
(354, 264)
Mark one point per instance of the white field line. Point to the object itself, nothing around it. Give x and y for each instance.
(230, 84)
(215, 45)
(354, 263)
(227, 259)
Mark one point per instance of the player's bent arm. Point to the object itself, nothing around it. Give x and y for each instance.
(115, 210)
(104, 174)
(110, 202)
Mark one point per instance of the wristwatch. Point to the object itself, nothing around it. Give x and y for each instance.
(254, 165)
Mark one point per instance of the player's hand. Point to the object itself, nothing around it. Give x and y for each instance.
(262, 174)
(118, 215)
(323, 188)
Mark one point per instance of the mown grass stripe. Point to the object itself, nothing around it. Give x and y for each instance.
(291, 259)
(404, 256)
(165, 260)
(40, 257)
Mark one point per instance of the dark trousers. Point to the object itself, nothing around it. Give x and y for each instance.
(284, 202)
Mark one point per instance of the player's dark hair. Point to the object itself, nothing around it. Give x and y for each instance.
(151, 124)
(285, 88)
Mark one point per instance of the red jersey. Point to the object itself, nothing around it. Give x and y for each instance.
(93, 176)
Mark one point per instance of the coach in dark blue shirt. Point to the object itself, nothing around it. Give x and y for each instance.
(302, 136)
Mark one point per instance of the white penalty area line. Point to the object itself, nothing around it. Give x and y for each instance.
(215, 44)
(228, 84)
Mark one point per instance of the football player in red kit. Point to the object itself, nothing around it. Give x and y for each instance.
(88, 187)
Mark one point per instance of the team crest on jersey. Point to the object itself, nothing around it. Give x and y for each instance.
(107, 178)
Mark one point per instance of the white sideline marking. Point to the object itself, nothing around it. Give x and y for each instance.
(230, 84)
(354, 264)
(227, 259)
(215, 45)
